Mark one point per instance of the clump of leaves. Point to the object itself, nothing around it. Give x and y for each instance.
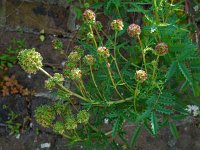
(9, 57)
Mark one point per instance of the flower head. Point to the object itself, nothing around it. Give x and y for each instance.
(89, 16)
(70, 123)
(83, 117)
(89, 59)
(141, 75)
(103, 52)
(193, 109)
(134, 30)
(117, 25)
(161, 48)
(79, 50)
(74, 56)
(51, 82)
(76, 74)
(30, 60)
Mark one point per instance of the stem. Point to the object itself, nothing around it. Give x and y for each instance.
(95, 82)
(94, 40)
(115, 60)
(112, 80)
(156, 11)
(64, 88)
(135, 94)
(143, 53)
(98, 35)
(155, 68)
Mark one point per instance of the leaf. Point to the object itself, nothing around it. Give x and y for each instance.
(173, 130)
(135, 135)
(116, 126)
(163, 110)
(154, 123)
(171, 71)
(186, 73)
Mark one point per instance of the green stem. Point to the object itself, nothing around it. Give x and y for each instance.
(143, 53)
(94, 40)
(155, 68)
(95, 82)
(115, 60)
(112, 80)
(64, 88)
(135, 95)
(156, 11)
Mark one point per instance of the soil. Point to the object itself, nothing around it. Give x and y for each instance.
(32, 135)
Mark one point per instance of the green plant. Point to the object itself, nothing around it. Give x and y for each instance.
(9, 57)
(12, 124)
(142, 77)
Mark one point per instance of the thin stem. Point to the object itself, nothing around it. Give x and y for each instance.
(155, 68)
(115, 60)
(143, 53)
(112, 80)
(64, 88)
(93, 79)
(156, 11)
(94, 40)
(98, 35)
(135, 95)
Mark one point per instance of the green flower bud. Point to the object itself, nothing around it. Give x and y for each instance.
(30, 60)
(59, 127)
(90, 35)
(76, 74)
(45, 116)
(61, 109)
(74, 57)
(67, 69)
(83, 117)
(51, 82)
(57, 44)
(70, 123)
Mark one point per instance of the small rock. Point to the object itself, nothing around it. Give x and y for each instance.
(46, 145)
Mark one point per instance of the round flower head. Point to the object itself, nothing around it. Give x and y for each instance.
(161, 49)
(76, 74)
(74, 57)
(141, 75)
(103, 52)
(117, 25)
(30, 60)
(89, 16)
(79, 50)
(134, 30)
(90, 35)
(83, 117)
(70, 123)
(89, 59)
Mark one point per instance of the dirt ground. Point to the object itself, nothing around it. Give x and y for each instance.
(32, 135)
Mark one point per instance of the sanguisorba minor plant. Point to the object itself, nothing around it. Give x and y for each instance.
(145, 75)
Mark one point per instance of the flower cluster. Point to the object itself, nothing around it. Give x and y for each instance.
(45, 115)
(89, 16)
(103, 52)
(57, 44)
(193, 109)
(76, 74)
(83, 117)
(51, 82)
(70, 123)
(89, 59)
(134, 30)
(117, 25)
(141, 75)
(30, 60)
(161, 48)
(74, 56)
(59, 127)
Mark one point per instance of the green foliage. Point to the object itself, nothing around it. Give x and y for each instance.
(137, 79)
(9, 57)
